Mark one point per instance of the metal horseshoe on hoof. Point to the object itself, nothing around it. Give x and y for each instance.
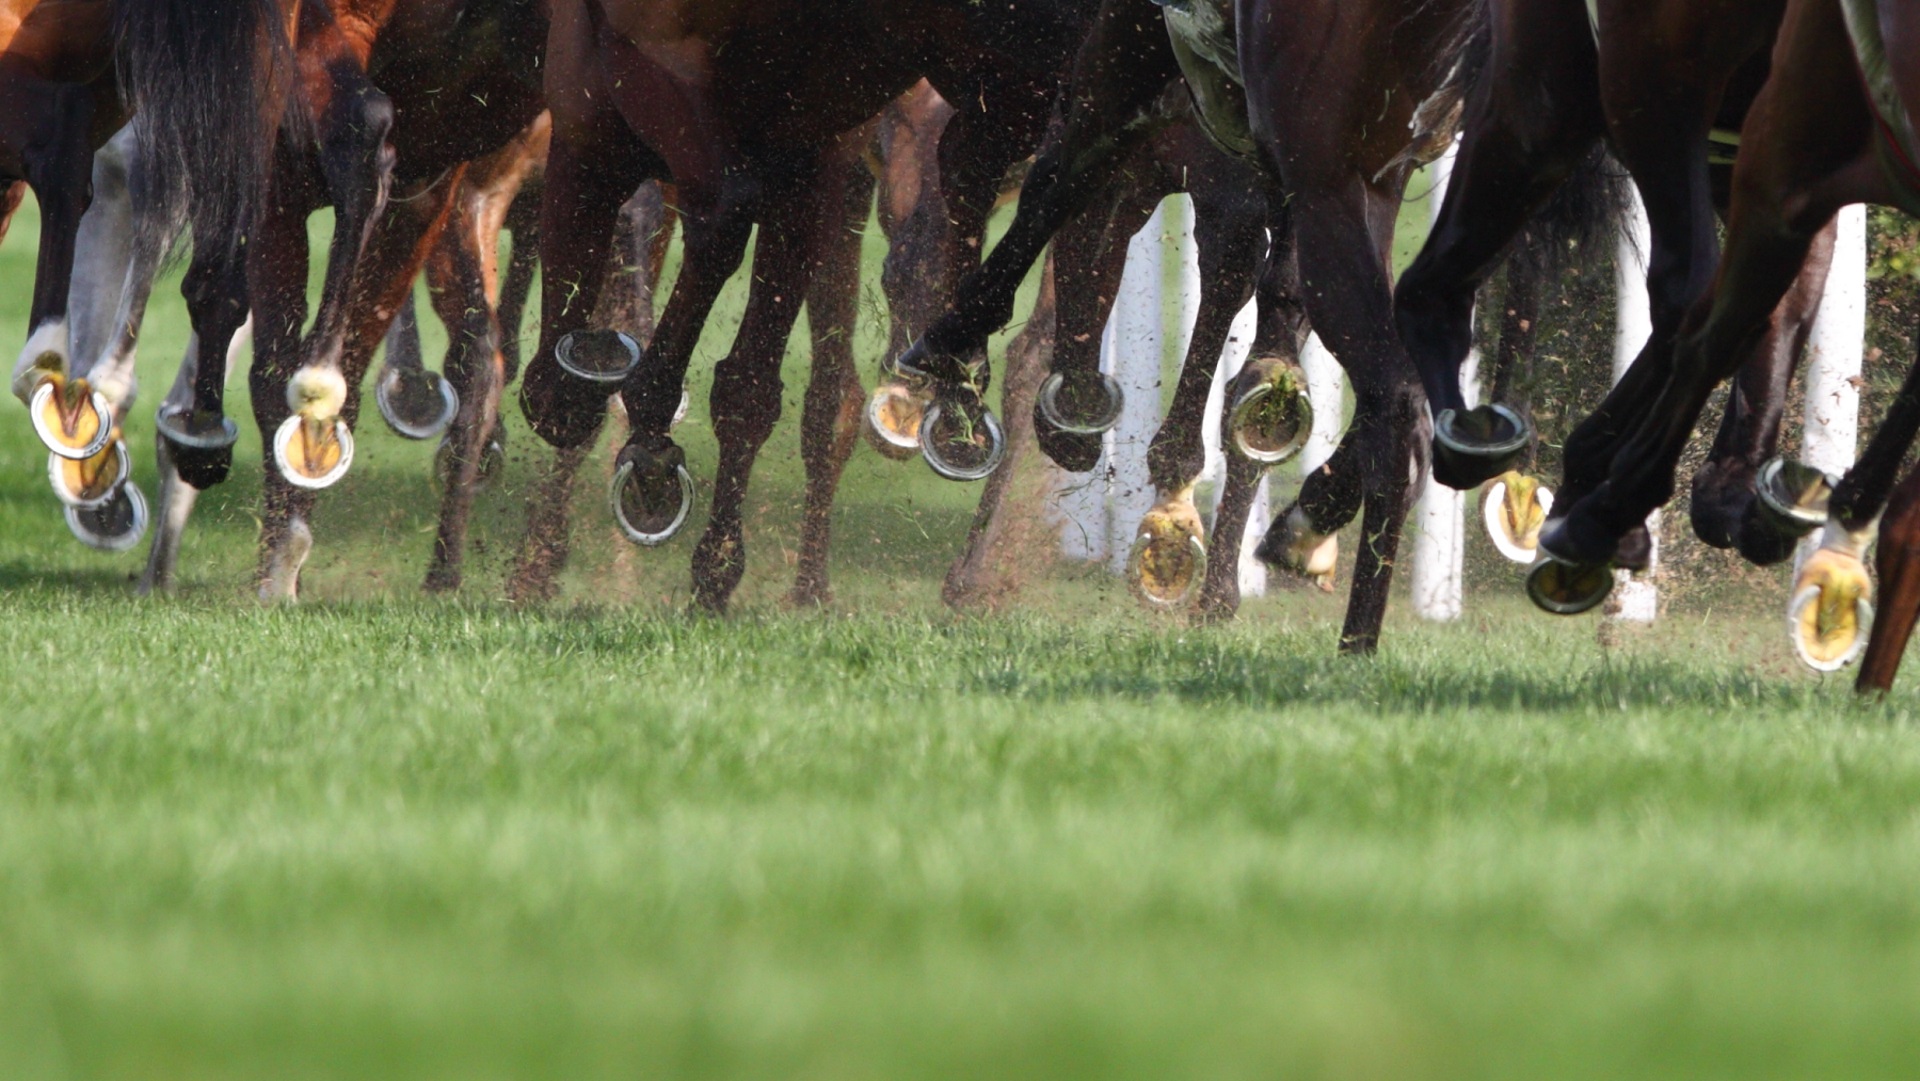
(959, 448)
(392, 389)
(176, 426)
(1793, 496)
(1514, 509)
(311, 455)
(894, 415)
(1163, 572)
(1830, 616)
(1482, 442)
(1566, 589)
(1271, 422)
(574, 361)
(1102, 419)
(651, 510)
(115, 525)
(91, 482)
(79, 432)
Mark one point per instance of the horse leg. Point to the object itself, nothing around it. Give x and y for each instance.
(830, 418)
(173, 503)
(277, 257)
(745, 403)
(1005, 508)
(1117, 80)
(1725, 511)
(1343, 229)
(57, 157)
(1090, 260)
(1898, 561)
(356, 162)
(1528, 125)
(1242, 220)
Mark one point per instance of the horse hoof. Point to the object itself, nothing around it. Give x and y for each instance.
(416, 403)
(1074, 452)
(1831, 612)
(1088, 404)
(1514, 508)
(90, 482)
(895, 412)
(1568, 589)
(1473, 447)
(493, 458)
(1292, 544)
(1792, 497)
(115, 525)
(650, 507)
(1273, 420)
(313, 454)
(1168, 563)
(962, 443)
(201, 445)
(71, 418)
(604, 357)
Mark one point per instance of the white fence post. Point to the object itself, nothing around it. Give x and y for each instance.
(1440, 538)
(1835, 349)
(1634, 600)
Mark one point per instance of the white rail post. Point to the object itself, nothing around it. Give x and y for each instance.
(1835, 349)
(1440, 538)
(1634, 600)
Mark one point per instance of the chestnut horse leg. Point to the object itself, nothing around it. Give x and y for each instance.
(830, 418)
(1898, 561)
(50, 125)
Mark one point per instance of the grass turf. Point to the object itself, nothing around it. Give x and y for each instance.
(380, 836)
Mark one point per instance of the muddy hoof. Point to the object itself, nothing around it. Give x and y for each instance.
(1080, 402)
(1830, 616)
(652, 495)
(1473, 447)
(493, 461)
(1075, 452)
(601, 357)
(416, 403)
(1167, 565)
(1792, 497)
(113, 526)
(1273, 420)
(962, 441)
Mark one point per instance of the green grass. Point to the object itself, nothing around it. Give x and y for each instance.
(381, 836)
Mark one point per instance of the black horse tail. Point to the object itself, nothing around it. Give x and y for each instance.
(1587, 211)
(210, 83)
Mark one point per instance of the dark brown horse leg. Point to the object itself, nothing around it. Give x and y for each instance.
(58, 164)
(830, 418)
(1349, 300)
(1724, 505)
(1815, 157)
(1898, 561)
(745, 403)
(277, 257)
(1117, 79)
(1241, 220)
(1090, 258)
(1528, 124)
